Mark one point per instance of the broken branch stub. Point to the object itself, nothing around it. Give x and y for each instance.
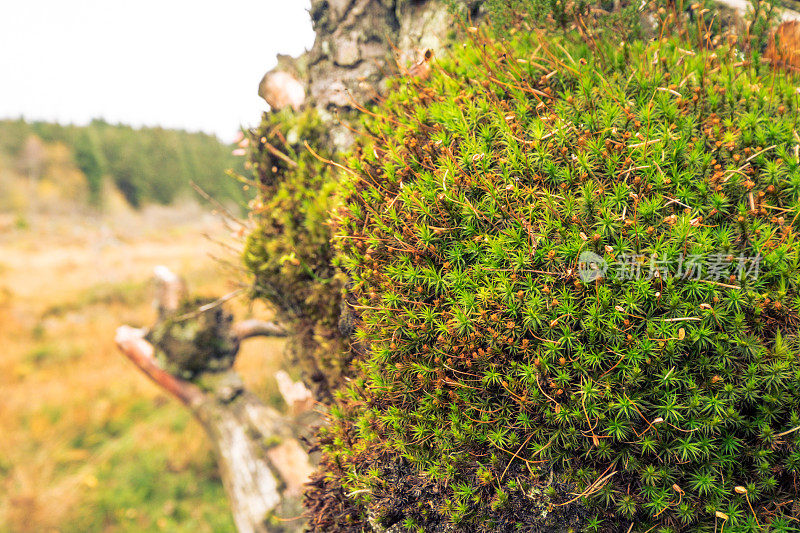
(190, 352)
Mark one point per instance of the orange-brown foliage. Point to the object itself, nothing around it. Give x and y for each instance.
(783, 49)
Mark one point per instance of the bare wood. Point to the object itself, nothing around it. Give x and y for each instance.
(262, 463)
(248, 474)
(257, 328)
(132, 344)
(170, 289)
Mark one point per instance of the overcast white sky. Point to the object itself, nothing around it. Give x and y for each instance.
(192, 64)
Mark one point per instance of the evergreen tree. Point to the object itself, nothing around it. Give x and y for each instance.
(89, 160)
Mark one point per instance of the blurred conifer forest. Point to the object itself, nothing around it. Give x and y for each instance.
(77, 166)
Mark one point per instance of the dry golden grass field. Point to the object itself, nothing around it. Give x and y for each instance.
(86, 442)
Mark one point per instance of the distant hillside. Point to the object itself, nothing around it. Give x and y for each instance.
(84, 164)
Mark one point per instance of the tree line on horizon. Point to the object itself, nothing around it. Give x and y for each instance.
(146, 165)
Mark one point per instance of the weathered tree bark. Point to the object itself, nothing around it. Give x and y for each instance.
(262, 464)
(358, 45)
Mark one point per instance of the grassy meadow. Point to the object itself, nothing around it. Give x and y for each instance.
(87, 443)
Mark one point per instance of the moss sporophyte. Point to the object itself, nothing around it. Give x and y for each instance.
(502, 389)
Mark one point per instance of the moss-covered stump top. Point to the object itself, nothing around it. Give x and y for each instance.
(289, 252)
(194, 340)
(579, 267)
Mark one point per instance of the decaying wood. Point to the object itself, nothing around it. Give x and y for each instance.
(257, 328)
(131, 342)
(262, 464)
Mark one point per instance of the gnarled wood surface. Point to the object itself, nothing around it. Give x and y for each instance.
(262, 463)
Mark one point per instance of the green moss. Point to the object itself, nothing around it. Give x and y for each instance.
(192, 343)
(494, 358)
(289, 252)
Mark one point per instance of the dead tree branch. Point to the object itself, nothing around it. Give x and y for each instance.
(189, 352)
(257, 328)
